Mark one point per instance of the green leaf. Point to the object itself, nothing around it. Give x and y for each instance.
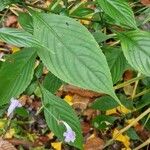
(4, 3)
(77, 58)
(135, 45)
(52, 83)
(116, 62)
(119, 10)
(56, 109)
(104, 103)
(16, 74)
(101, 37)
(26, 22)
(22, 112)
(132, 134)
(103, 121)
(144, 101)
(18, 37)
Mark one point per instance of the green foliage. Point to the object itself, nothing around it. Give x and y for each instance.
(16, 74)
(103, 121)
(116, 62)
(56, 109)
(119, 10)
(77, 56)
(135, 45)
(73, 55)
(104, 103)
(52, 83)
(5, 3)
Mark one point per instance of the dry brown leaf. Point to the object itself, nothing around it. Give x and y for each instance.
(145, 2)
(11, 21)
(94, 143)
(80, 102)
(90, 113)
(85, 127)
(128, 75)
(128, 90)
(82, 92)
(5, 145)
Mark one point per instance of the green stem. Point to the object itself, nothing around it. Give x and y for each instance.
(128, 82)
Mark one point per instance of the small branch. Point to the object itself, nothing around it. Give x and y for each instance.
(128, 82)
(140, 94)
(147, 142)
(129, 126)
(135, 87)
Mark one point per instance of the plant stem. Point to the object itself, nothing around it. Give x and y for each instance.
(143, 144)
(128, 82)
(38, 7)
(135, 87)
(141, 93)
(128, 126)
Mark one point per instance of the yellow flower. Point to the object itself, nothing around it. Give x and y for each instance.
(122, 138)
(69, 99)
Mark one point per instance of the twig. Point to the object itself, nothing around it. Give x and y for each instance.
(128, 82)
(135, 87)
(129, 126)
(147, 142)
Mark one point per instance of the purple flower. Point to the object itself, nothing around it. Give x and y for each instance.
(13, 105)
(69, 135)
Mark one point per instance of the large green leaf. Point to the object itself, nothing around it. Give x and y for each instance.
(77, 58)
(119, 10)
(16, 73)
(135, 45)
(56, 109)
(18, 37)
(116, 62)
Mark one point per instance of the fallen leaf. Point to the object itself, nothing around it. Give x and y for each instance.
(128, 90)
(2, 124)
(145, 2)
(94, 143)
(128, 75)
(5, 145)
(11, 21)
(111, 111)
(10, 133)
(82, 92)
(56, 145)
(80, 102)
(69, 99)
(122, 138)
